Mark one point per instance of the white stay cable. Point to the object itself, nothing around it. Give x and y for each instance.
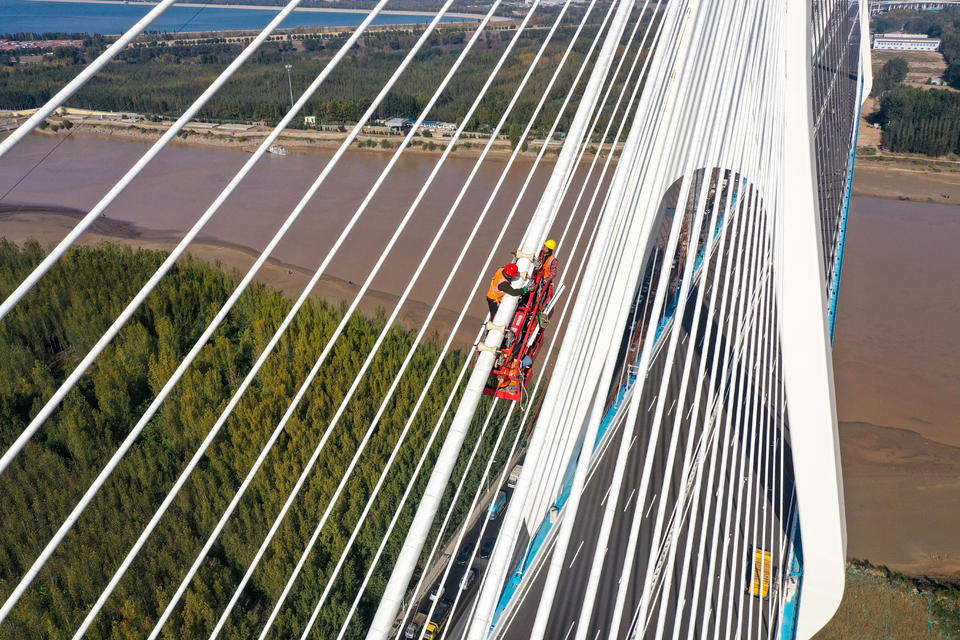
(759, 291)
(501, 559)
(631, 144)
(695, 408)
(81, 79)
(533, 394)
(587, 212)
(586, 322)
(543, 217)
(722, 386)
(101, 601)
(202, 340)
(54, 401)
(128, 442)
(735, 412)
(473, 505)
(406, 493)
(454, 499)
(566, 304)
(716, 141)
(135, 170)
(443, 291)
(708, 415)
(446, 285)
(372, 497)
(555, 461)
(638, 514)
(367, 363)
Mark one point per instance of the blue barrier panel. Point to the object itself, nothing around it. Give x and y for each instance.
(788, 626)
(834, 286)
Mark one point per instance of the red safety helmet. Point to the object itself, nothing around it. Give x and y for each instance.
(511, 270)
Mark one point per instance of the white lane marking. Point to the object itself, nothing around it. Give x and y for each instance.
(575, 555)
(651, 404)
(672, 405)
(689, 411)
(650, 507)
(633, 442)
(569, 630)
(627, 506)
(597, 636)
(602, 502)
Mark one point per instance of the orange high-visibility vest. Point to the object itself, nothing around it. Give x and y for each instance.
(494, 293)
(548, 267)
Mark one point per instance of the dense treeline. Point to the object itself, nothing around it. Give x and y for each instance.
(943, 24)
(892, 73)
(47, 334)
(164, 80)
(919, 121)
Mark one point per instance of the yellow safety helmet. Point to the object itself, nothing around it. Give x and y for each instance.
(550, 244)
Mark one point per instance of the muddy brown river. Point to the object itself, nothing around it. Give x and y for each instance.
(898, 336)
(175, 189)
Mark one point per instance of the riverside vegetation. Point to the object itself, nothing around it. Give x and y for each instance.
(916, 120)
(45, 336)
(177, 71)
(880, 603)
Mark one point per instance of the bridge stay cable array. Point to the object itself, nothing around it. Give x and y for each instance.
(676, 305)
(25, 582)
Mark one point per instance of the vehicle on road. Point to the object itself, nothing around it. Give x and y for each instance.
(412, 632)
(514, 476)
(437, 591)
(464, 556)
(762, 573)
(487, 547)
(497, 505)
(439, 620)
(468, 580)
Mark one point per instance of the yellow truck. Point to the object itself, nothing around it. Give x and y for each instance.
(439, 620)
(762, 573)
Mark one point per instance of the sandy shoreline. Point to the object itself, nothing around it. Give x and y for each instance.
(257, 7)
(299, 140)
(900, 181)
(48, 224)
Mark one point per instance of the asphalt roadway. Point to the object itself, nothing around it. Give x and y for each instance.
(732, 609)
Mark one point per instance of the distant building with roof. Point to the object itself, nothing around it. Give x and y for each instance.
(905, 42)
(398, 124)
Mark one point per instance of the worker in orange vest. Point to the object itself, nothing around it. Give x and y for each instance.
(501, 285)
(547, 261)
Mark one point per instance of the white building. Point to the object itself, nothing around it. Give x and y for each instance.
(905, 42)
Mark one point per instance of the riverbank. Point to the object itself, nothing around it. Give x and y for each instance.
(907, 177)
(132, 127)
(49, 224)
(897, 385)
(264, 7)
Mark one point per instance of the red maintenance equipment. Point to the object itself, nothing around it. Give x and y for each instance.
(522, 339)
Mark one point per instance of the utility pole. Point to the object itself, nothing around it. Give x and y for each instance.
(290, 84)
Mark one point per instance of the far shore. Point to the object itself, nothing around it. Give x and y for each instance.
(297, 140)
(887, 176)
(909, 179)
(260, 7)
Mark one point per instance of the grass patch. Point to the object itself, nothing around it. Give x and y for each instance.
(880, 604)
